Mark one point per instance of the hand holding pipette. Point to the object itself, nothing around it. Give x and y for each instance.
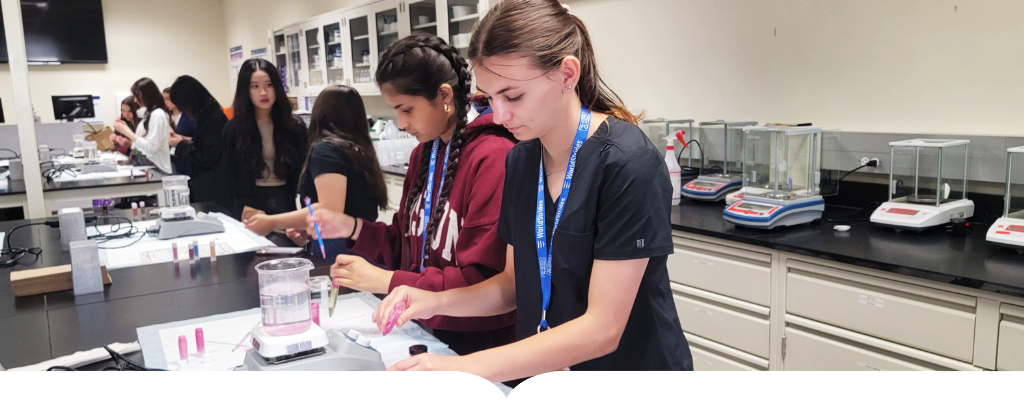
(316, 228)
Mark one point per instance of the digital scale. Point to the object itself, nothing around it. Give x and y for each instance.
(181, 221)
(1008, 231)
(733, 197)
(781, 178)
(714, 186)
(311, 350)
(927, 185)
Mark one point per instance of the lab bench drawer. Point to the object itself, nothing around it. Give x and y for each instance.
(738, 274)
(711, 356)
(936, 321)
(806, 351)
(720, 322)
(1010, 352)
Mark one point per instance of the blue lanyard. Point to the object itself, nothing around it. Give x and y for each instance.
(543, 251)
(429, 194)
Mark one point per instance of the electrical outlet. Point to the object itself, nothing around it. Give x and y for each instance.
(864, 161)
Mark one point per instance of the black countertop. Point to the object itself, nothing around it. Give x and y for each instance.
(40, 327)
(934, 255)
(14, 187)
(395, 170)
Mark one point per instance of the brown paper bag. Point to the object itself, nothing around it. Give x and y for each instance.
(102, 139)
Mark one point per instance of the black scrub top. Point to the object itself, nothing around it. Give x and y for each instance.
(618, 209)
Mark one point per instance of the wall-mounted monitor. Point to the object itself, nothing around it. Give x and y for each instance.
(61, 31)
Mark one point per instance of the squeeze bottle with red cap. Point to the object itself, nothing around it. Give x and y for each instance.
(674, 171)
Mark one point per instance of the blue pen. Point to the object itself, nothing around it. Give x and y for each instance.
(316, 227)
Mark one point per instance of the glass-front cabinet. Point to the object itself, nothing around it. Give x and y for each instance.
(334, 48)
(462, 16)
(293, 65)
(362, 54)
(386, 27)
(279, 55)
(423, 16)
(313, 58)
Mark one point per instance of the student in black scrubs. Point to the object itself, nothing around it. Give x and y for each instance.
(202, 149)
(610, 305)
(341, 172)
(265, 144)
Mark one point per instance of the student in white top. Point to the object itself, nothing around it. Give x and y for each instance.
(154, 125)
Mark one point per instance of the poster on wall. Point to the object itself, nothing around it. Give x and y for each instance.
(258, 53)
(237, 57)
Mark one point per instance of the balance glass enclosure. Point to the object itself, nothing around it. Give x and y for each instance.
(722, 143)
(928, 171)
(1014, 198)
(782, 163)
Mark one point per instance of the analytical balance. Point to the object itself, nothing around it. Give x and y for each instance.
(781, 178)
(1008, 231)
(717, 181)
(927, 185)
(689, 171)
(287, 338)
(178, 218)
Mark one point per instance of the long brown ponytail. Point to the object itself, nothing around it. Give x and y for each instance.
(417, 66)
(545, 32)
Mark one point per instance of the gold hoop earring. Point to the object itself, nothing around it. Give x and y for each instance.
(447, 109)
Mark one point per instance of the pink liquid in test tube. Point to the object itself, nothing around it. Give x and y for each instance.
(174, 247)
(200, 342)
(395, 313)
(183, 348)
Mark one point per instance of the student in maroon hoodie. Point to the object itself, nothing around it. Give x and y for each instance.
(428, 84)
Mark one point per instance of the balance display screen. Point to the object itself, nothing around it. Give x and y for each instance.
(754, 206)
(908, 212)
(705, 185)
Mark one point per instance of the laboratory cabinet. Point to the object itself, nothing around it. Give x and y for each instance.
(744, 307)
(344, 47)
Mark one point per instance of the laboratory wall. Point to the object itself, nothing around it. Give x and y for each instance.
(159, 39)
(890, 66)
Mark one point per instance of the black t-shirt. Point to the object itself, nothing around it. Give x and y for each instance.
(618, 209)
(330, 158)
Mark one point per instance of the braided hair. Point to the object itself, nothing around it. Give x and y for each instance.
(417, 66)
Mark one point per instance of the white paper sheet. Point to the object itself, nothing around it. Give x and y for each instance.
(222, 334)
(122, 171)
(221, 337)
(235, 239)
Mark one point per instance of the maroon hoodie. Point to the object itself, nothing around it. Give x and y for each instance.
(466, 249)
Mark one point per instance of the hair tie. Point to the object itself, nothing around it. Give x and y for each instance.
(566, 6)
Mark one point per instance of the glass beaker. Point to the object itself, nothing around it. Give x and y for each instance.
(176, 192)
(285, 296)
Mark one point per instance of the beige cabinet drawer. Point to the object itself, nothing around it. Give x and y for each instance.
(1010, 352)
(935, 321)
(708, 361)
(721, 323)
(734, 273)
(807, 351)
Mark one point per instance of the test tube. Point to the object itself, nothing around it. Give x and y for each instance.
(142, 207)
(315, 310)
(135, 211)
(195, 247)
(191, 254)
(213, 251)
(200, 342)
(174, 248)
(183, 349)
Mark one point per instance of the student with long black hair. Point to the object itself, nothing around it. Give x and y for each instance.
(444, 235)
(266, 143)
(341, 172)
(204, 151)
(585, 213)
(154, 128)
